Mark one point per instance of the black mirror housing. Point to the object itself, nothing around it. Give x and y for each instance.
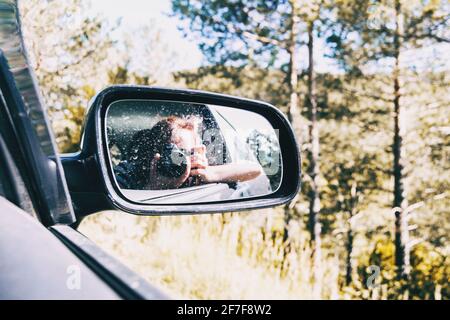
(91, 179)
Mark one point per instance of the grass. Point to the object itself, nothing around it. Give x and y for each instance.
(231, 256)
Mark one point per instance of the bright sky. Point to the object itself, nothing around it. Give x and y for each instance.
(139, 12)
(136, 12)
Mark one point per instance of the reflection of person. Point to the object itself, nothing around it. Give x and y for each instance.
(170, 155)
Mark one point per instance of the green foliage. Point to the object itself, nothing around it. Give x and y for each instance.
(369, 36)
(69, 61)
(231, 31)
(428, 278)
(430, 273)
(249, 81)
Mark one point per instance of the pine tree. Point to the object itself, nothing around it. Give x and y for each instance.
(367, 32)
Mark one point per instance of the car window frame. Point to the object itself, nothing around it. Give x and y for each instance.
(25, 111)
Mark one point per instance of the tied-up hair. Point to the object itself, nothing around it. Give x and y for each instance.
(146, 143)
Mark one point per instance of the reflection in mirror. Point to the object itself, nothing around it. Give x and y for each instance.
(165, 152)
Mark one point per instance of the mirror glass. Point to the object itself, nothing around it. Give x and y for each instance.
(165, 152)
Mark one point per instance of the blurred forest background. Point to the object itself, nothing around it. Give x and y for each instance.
(373, 218)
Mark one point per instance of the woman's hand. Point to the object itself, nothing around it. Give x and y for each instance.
(198, 158)
(200, 168)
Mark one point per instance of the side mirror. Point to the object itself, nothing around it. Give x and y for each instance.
(157, 151)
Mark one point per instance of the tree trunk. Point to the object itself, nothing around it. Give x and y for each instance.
(349, 262)
(314, 200)
(352, 206)
(294, 112)
(400, 201)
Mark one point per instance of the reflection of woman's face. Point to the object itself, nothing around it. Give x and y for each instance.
(184, 139)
